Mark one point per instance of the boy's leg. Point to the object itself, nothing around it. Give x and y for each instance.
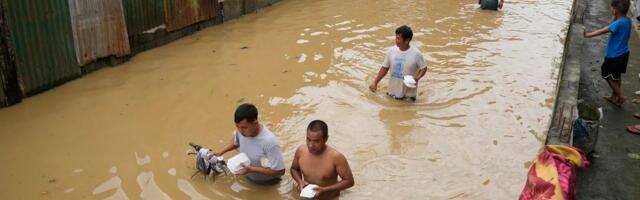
(617, 97)
(621, 97)
(614, 97)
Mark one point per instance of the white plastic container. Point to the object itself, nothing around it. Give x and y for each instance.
(234, 163)
(409, 81)
(308, 192)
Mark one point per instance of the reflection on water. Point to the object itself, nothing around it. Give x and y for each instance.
(122, 133)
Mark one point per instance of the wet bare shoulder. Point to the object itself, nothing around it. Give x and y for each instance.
(300, 149)
(335, 154)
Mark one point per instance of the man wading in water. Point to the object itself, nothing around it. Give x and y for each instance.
(257, 142)
(403, 60)
(316, 163)
(491, 4)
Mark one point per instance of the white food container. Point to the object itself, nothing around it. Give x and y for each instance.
(308, 192)
(234, 163)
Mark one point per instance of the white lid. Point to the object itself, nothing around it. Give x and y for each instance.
(308, 191)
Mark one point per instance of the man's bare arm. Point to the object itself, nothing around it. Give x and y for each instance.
(383, 72)
(230, 146)
(296, 174)
(421, 74)
(263, 170)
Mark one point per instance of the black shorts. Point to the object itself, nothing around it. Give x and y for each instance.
(612, 68)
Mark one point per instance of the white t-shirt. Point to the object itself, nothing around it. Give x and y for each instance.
(263, 145)
(403, 63)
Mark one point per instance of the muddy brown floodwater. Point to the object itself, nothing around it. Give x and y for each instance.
(481, 114)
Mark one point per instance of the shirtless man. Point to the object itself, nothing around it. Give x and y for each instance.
(316, 163)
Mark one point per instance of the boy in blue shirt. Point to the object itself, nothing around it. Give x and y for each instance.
(617, 52)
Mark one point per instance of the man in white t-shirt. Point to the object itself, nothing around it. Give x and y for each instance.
(403, 60)
(258, 143)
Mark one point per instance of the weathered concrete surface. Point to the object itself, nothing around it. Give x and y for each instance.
(612, 174)
(565, 111)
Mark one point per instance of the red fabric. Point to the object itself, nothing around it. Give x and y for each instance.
(555, 160)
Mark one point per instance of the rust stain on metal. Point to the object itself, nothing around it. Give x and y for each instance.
(182, 13)
(208, 9)
(99, 29)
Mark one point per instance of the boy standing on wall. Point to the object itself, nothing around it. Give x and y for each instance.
(617, 51)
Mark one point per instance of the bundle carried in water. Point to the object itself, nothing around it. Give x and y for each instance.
(208, 164)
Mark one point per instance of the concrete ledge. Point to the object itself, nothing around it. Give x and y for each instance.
(566, 106)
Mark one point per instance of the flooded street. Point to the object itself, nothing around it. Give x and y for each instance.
(481, 115)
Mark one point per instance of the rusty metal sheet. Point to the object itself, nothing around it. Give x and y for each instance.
(208, 9)
(99, 29)
(182, 13)
(42, 43)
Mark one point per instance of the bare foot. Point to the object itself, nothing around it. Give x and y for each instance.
(611, 99)
(635, 129)
(621, 100)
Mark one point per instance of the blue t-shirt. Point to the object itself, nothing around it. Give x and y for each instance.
(619, 40)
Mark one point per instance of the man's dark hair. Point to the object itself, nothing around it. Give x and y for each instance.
(319, 126)
(622, 6)
(405, 32)
(246, 111)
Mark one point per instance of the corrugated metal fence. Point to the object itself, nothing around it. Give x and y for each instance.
(182, 13)
(143, 15)
(49, 40)
(43, 43)
(99, 29)
(9, 89)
